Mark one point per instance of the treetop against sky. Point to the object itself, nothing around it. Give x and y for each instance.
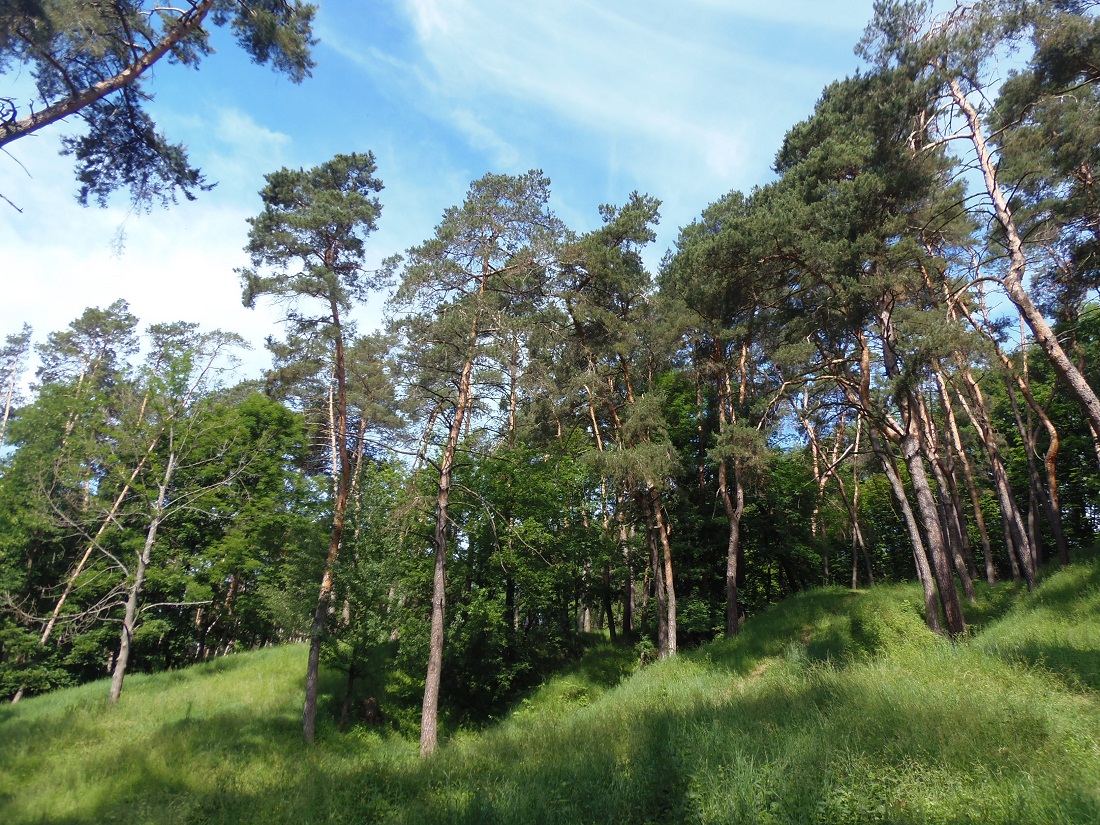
(684, 102)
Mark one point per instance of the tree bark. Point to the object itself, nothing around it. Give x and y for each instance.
(130, 619)
(1016, 539)
(185, 24)
(968, 473)
(952, 534)
(429, 717)
(670, 588)
(339, 511)
(659, 582)
(1013, 280)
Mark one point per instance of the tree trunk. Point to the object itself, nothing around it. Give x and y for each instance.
(670, 589)
(130, 619)
(920, 556)
(1016, 539)
(429, 716)
(608, 602)
(339, 510)
(628, 584)
(735, 508)
(1013, 280)
(941, 563)
(952, 534)
(968, 473)
(655, 563)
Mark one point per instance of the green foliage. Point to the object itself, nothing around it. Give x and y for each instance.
(74, 48)
(316, 221)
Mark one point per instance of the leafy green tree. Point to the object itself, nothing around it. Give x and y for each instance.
(82, 368)
(855, 196)
(182, 366)
(309, 239)
(459, 290)
(88, 59)
(722, 277)
(259, 516)
(13, 360)
(954, 61)
(623, 346)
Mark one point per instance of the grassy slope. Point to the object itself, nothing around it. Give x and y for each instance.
(832, 707)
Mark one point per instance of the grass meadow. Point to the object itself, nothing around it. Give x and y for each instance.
(832, 707)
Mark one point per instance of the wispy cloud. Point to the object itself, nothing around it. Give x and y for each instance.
(482, 137)
(678, 80)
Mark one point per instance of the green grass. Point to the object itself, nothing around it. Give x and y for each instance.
(833, 707)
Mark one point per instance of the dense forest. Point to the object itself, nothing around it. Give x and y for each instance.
(881, 366)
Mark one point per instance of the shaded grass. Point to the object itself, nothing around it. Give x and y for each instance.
(834, 707)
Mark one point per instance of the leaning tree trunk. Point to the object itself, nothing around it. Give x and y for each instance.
(968, 473)
(1016, 538)
(130, 619)
(926, 506)
(953, 530)
(920, 555)
(1013, 280)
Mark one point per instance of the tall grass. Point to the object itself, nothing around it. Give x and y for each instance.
(833, 707)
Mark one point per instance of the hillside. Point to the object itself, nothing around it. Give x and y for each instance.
(833, 706)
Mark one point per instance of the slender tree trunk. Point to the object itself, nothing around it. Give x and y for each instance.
(628, 584)
(952, 534)
(734, 505)
(9, 394)
(920, 555)
(735, 508)
(907, 437)
(1013, 280)
(339, 511)
(968, 473)
(926, 506)
(130, 619)
(1016, 539)
(608, 602)
(429, 717)
(349, 693)
(659, 581)
(857, 531)
(1046, 496)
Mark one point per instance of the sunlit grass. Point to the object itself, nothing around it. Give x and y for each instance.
(833, 707)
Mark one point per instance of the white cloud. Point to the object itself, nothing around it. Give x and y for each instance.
(482, 137)
(177, 264)
(687, 84)
(245, 135)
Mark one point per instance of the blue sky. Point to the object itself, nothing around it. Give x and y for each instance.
(684, 101)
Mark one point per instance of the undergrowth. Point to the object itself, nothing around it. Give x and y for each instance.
(834, 707)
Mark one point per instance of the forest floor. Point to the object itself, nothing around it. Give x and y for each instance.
(833, 706)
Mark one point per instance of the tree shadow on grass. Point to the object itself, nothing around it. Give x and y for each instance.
(228, 767)
(857, 745)
(1056, 628)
